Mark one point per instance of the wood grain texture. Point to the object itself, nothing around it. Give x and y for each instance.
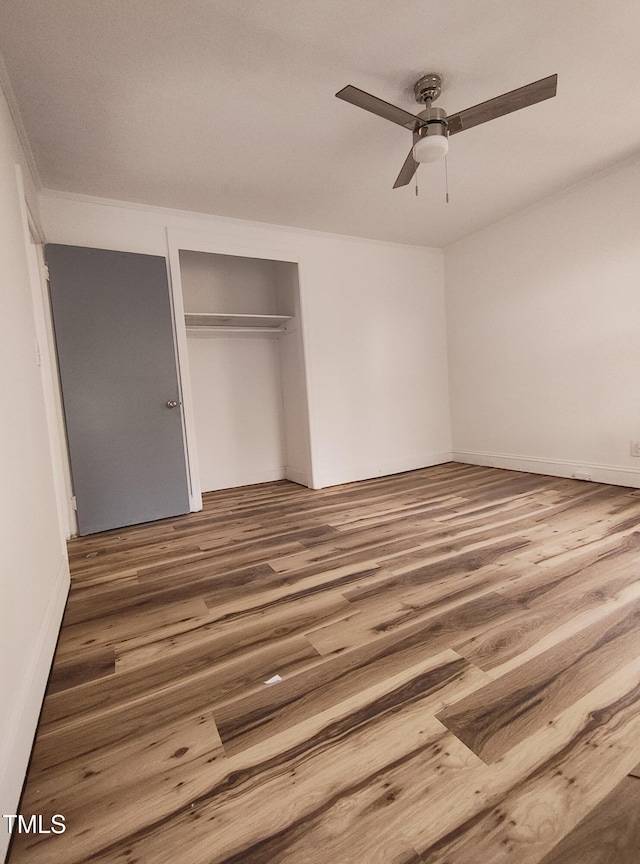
(459, 659)
(509, 709)
(611, 832)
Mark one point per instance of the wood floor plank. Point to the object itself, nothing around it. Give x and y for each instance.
(234, 636)
(92, 666)
(538, 792)
(290, 591)
(114, 627)
(568, 630)
(635, 771)
(611, 831)
(519, 703)
(551, 599)
(108, 770)
(244, 791)
(65, 735)
(505, 605)
(390, 605)
(192, 585)
(419, 803)
(261, 714)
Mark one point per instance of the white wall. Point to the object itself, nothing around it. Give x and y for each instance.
(374, 329)
(237, 404)
(33, 567)
(227, 283)
(235, 382)
(378, 358)
(248, 393)
(543, 312)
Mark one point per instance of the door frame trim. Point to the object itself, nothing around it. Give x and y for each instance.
(48, 362)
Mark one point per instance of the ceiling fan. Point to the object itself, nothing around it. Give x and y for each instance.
(431, 128)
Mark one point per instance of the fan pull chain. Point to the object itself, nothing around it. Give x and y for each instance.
(416, 175)
(446, 180)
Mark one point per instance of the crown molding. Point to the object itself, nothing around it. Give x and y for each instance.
(82, 198)
(12, 102)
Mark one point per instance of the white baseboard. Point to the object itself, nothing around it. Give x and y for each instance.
(231, 480)
(17, 738)
(296, 476)
(383, 469)
(616, 475)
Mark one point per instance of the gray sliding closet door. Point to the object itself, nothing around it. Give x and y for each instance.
(114, 337)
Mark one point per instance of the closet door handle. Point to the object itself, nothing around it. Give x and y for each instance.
(172, 403)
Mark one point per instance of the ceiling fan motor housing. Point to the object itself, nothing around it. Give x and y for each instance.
(434, 122)
(431, 142)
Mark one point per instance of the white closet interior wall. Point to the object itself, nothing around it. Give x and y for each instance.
(248, 390)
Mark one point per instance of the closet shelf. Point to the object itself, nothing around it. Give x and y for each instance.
(206, 321)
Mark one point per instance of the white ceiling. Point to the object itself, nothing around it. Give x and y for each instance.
(227, 106)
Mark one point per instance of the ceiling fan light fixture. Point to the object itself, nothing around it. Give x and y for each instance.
(430, 148)
(432, 126)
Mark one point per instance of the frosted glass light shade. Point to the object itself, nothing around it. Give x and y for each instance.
(430, 148)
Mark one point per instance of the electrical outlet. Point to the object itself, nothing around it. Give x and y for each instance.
(635, 448)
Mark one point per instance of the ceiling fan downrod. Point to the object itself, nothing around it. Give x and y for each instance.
(428, 87)
(426, 90)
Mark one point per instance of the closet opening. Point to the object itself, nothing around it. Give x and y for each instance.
(246, 369)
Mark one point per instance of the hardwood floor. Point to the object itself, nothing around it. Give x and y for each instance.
(459, 655)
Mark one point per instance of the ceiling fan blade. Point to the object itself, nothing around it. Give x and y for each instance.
(505, 104)
(408, 169)
(378, 106)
